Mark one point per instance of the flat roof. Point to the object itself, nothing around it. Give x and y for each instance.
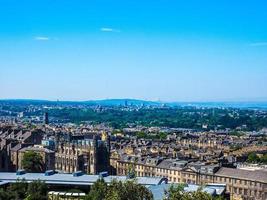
(3, 182)
(158, 191)
(69, 179)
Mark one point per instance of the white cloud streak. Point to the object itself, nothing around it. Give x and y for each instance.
(106, 29)
(41, 38)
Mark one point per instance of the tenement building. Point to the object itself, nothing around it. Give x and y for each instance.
(47, 155)
(90, 156)
(12, 139)
(241, 184)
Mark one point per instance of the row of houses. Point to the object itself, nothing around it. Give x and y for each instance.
(240, 183)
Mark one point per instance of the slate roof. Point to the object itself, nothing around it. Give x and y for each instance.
(257, 175)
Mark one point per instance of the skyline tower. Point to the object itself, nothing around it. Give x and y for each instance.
(46, 120)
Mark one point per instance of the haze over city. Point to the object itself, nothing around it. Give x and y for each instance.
(152, 50)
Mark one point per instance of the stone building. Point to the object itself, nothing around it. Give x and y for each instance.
(90, 156)
(241, 184)
(48, 156)
(12, 139)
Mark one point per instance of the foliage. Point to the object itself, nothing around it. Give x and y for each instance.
(119, 190)
(186, 117)
(254, 158)
(18, 189)
(35, 190)
(237, 133)
(128, 190)
(32, 162)
(178, 193)
(159, 136)
(264, 159)
(4, 195)
(98, 190)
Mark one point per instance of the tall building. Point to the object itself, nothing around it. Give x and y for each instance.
(46, 121)
(90, 156)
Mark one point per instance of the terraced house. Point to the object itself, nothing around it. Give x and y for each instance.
(241, 184)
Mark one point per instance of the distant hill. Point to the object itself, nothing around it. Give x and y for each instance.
(250, 105)
(104, 102)
(123, 102)
(137, 102)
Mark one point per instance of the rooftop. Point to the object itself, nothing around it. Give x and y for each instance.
(69, 179)
(257, 175)
(158, 191)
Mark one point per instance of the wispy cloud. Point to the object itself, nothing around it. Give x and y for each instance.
(256, 44)
(106, 29)
(41, 38)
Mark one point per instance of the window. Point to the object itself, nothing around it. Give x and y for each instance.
(235, 190)
(240, 191)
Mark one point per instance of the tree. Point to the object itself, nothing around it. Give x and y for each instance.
(18, 190)
(32, 162)
(178, 193)
(264, 159)
(4, 195)
(37, 190)
(175, 192)
(119, 190)
(199, 194)
(253, 158)
(131, 170)
(128, 190)
(98, 190)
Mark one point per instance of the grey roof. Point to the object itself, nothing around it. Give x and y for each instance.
(17, 147)
(158, 191)
(3, 182)
(172, 164)
(257, 175)
(71, 180)
(38, 149)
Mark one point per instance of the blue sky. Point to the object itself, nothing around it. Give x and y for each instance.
(155, 49)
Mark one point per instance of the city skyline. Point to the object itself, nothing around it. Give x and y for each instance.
(153, 50)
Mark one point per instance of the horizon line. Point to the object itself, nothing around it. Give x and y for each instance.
(136, 99)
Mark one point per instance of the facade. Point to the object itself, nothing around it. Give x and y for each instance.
(11, 141)
(47, 155)
(90, 156)
(241, 184)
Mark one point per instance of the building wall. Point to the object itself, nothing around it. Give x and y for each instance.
(238, 188)
(48, 159)
(90, 159)
(71, 158)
